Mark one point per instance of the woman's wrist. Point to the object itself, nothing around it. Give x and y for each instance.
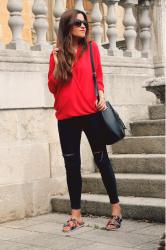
(101, 94)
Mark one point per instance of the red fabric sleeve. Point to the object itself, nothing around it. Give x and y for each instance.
(52, 82)
(99, 73)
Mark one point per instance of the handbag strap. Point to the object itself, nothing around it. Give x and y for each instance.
(93, 70)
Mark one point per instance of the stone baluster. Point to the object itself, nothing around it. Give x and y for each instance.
(145, 24)
(79, 5)
(159, 28)
(16, 25)
(96, 24)
(40, 25)
(111, 31)
(129, 22)
(58, 10)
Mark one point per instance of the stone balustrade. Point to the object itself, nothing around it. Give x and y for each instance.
(137, 25)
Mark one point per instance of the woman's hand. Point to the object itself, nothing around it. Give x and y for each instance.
(55, 51)
(101, 104)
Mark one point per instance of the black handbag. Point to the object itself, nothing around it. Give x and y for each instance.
(112, 127)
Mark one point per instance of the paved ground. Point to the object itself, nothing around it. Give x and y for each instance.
(45, 232)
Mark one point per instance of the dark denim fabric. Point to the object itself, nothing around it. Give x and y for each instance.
(70, 136)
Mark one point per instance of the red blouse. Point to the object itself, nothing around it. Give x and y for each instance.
(77, 96)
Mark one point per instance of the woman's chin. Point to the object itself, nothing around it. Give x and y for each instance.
(80, 36)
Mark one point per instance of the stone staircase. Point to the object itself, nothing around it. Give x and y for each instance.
(139, 166)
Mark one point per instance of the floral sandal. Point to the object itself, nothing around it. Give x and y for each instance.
(72, 224)
(114, 223)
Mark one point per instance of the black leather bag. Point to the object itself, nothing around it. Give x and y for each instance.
(112, 127)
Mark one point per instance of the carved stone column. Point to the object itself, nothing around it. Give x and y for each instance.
(159, 40)
(58, 10)
(145, 28)
(96, 24)
(129, 22)
(79, 5)
(16, 25)
(112, 31)
(40, 25)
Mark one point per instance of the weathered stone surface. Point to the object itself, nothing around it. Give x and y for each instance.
(138, 185)
(157, 86)
(25, 162)
(8, 127)
(22, 89)
(157, 111)
(93, 236)
(125, 89)
(140, 145)
(37, 125)
(29, 198)
(133, 207)
(138, 163)
(148, 127)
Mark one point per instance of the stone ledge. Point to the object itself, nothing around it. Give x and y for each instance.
(156, 86)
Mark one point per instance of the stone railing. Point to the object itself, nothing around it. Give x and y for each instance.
(136, 14)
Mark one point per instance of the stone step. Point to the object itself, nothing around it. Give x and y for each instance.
(132, 207)
(148, 127)
(157, 111)
(138, 163)
(140, 145)
(142, 185)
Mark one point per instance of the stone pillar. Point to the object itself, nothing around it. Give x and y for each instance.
(112, 31)
(129, 22)
(96, 18)
(58, 10)
(16, 25)
(145, 28)
(40, 25)
(159, 39)
(79, 5)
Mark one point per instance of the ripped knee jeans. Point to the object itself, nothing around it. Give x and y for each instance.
(108, 177)
(74, 180)
(73, 177)
(70, 135)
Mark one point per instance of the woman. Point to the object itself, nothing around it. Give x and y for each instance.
(71, 82)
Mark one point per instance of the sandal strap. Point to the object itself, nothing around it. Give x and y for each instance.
(74, 221)
(115, 220)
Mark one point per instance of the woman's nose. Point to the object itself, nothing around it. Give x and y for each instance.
(83, 25)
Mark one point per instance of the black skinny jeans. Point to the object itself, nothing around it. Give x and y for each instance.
(70, 136)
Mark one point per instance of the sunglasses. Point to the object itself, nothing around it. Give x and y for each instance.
(78, 23)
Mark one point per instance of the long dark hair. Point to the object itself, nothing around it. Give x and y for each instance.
(66, 53)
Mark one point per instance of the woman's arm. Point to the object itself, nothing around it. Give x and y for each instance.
(101, 105)
(52, 82)
(98, 67)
